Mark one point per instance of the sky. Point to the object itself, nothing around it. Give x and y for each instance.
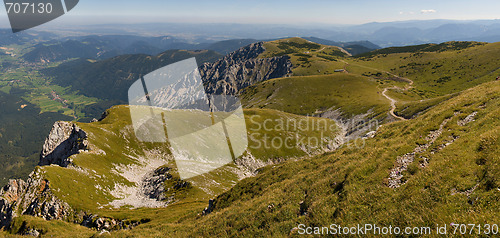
(277, 11)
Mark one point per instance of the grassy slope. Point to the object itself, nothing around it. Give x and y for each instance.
(50, 228)
(315, 86)
(438, 73)
(341, 187)
(307, 58)
(276, 124)
(411, 109)
(114, 143)
(347, 186)
(312, 94)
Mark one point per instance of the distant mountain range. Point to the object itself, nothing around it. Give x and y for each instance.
(384, 34)
(108, 46)
(8, 38)
(225, 38)
(404, 33)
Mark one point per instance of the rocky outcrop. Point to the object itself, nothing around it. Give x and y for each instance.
(403, 162)
(243, 68)
(65, 139)
(107, 224)
(162, 186)
(33, 197)
(210, 207)
(153, 185)
(10, 194)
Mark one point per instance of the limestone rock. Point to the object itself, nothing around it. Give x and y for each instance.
(65, 139)
(33, 197)
(153, 186)
(242, 68)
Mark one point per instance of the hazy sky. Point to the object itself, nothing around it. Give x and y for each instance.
(278, 11)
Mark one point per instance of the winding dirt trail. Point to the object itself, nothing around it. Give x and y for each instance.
(393, 104)
(384, 93)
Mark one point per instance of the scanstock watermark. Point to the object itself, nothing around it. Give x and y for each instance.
(205, 130)
(486, 230)
(362, 229)
(26, 14)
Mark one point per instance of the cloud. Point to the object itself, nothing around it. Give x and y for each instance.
(428, 11)
(406, 13)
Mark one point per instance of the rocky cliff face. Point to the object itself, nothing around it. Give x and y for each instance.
(32, 197)
(242, 68)
(65, 139)
(35, 198)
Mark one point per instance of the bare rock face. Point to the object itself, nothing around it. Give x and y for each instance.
(153, 183)
(65, 139)
(9, 194)
(35, 198)
(242, 68)
(32, 197)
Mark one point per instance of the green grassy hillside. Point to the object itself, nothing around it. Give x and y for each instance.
(446, 183)
(88, 185)
(308, 58)
(452, 45)
(309, 95)
(116, 127)
(458, 183)
(440, 72)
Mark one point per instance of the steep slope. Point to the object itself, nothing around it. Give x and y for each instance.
(243, 68)
(23, 127)
(102, 169)
(453, 179)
